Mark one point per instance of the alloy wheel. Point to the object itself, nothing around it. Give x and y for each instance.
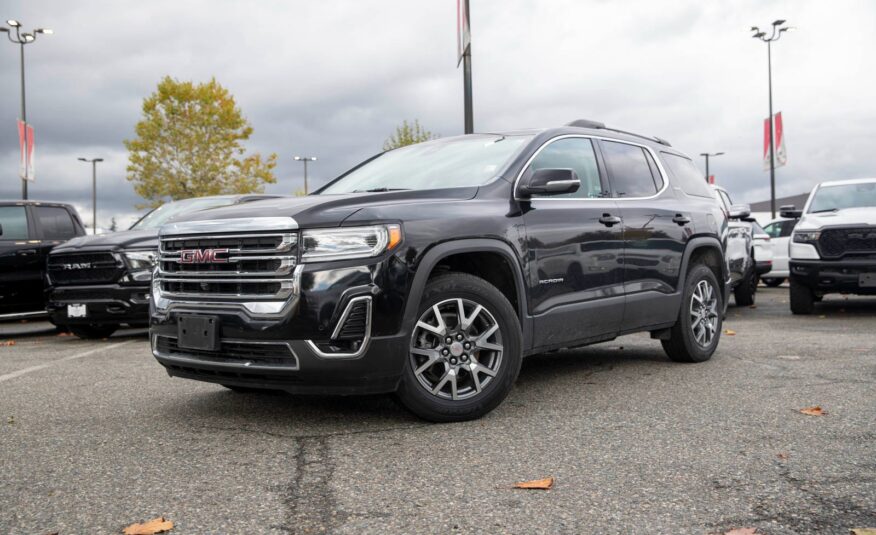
(704, 313)
(456, 349)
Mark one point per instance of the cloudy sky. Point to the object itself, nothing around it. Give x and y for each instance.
(333, 78)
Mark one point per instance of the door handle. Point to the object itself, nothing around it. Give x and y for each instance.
(27, 252)
(681, 219)
(609, 220)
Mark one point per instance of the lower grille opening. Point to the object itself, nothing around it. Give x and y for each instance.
(276, 354)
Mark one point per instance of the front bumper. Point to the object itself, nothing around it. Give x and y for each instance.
(105, 304)
(847, 276)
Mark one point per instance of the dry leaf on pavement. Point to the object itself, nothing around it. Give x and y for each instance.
(7, 343)
(729, 332)
(741, 531)
(814, 411)
(538, 484)
(156, 525)
(864, 531)
(782, 455)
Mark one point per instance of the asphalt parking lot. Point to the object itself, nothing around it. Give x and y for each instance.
(95, 436)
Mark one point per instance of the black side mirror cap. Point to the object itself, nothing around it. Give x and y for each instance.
(1, 230)
(739, 211)
(789, 211)
(549, 182)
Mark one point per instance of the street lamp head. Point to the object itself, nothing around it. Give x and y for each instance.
(4, 30)
(754, 29)
(97, 160)
(719, 153)
(28, 37)
(82, 159)
(778, 22)
(14, 23)
(788, 29)
(759, 35)
(46, 31)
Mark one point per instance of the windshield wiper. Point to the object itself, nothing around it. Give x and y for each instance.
(379, 190)
(824, 210)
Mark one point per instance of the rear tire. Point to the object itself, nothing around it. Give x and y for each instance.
(695, 335)
(802, 298)
(773, 283)
(465, 351)
(92, 332)
(744, 292)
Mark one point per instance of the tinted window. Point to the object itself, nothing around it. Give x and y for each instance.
(840, 197)
(56, 223)
(14, 222)
(572, 153)
(787, 228)
(773, 229)
(687, 175)
(629, 170)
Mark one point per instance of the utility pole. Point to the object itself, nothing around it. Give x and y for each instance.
(776, 34)
(22, 39)
(93, 163)
(707, 155)
(305, 159)
(464, 50)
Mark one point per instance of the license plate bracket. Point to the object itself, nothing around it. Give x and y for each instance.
(198, 332)
(867, 280)
(77, 311)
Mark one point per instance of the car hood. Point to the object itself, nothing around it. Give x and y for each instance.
(841, 218)
(114, 241)
(327, 210)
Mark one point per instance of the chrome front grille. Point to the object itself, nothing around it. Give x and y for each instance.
(253, 262)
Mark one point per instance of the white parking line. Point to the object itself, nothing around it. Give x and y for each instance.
(21, 372)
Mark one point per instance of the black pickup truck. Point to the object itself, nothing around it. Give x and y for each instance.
(28, 231)
(433, 269)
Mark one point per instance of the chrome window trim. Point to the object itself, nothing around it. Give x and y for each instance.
(366, 340)
(181, 357)
(651, 151)
(231, 225)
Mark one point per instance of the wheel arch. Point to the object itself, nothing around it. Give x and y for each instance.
(709, 249)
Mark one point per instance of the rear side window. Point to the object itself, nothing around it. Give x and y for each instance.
(687, 175)
(55, 223)
(572, 153)
(630, 170)
(773, 229)
(14, 222)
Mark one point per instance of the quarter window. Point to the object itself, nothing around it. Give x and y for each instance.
(55, 223)
(572, 153)
(14, 223)
(630, 170)
(687, 175)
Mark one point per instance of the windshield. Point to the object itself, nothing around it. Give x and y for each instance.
(444, 163)
(832, 198)
(165, 212)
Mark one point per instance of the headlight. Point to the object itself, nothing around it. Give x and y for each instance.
(806, 236)
(346, 243)
(140, 264)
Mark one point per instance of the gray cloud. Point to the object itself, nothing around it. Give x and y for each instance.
(333, 78)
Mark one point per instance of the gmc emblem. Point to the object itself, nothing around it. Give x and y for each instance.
(202, 256)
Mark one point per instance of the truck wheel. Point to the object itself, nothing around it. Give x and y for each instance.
(695, 335)
(773, 283)
(802, 298)
(90, 332)
(465, 350)
(744, 292)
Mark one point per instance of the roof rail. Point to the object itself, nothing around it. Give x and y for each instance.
(586, 123)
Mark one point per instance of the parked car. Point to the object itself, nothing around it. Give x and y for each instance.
(28, 231)
(833, 245)
(740, 250)
(431, 270)
(97, 283)
(763, 252)
(779, 231)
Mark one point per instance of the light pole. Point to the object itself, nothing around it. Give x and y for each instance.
(774, 36)
(707, 155)
(305, 159)
(93, 163)
(22, 39)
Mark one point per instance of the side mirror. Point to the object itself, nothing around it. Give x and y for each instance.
(1, 230)
(739, 211)
(549, 182)
(790, 212)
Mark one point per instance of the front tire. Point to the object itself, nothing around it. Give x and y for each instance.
(695, 335)
(92, 332)
(465, 350)
(802, 299)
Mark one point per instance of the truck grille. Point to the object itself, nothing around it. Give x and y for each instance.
(228, 266)
(838, 242)
(261, 354)
(84, 268)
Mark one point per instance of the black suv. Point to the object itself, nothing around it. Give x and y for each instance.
(96, 283)
(28, 231)
(431, 270)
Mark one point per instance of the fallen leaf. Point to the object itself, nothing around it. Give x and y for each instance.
(822, 316)
(741, 531)
(782, 455)
(729, 332)
(789, 357)
(65, 333)
(7, 343)
(814, 411)
(752, 306)
(864, 531)
(538, 484)
(11, 420)
(156, 525)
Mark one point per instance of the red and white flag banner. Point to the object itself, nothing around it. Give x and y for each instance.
(26, 146)
(781, 155)
(463, 30)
